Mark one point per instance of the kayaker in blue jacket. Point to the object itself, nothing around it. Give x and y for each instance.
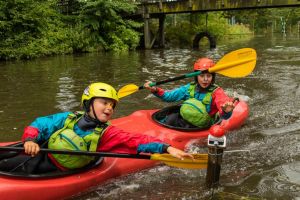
(202, 99)
(88, 131)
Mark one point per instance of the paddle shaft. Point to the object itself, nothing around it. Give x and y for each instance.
(173, 79)
(199, 161)
(86, 153)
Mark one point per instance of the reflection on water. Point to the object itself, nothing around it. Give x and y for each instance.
(66, 98)
(282, 182)
(271, 170)
(295, 127)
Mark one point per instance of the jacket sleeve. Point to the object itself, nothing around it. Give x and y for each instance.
(174, 95)
(119, 141)
(219, 99)
(43, 127)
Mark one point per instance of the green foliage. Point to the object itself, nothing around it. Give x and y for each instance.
(216, 24)
(103, 19)
(176, 36)
(262, 19)
(33, 28)
(186, 27)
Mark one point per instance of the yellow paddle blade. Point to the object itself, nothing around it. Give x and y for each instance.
(236, 64)
(127, 90)
(199, 162)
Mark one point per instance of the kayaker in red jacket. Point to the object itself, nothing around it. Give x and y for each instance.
(88, 131)
(202, 99)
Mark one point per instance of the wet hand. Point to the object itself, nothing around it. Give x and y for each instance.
(31, 148)
(148, 87)
(228, 107)
(177, 153)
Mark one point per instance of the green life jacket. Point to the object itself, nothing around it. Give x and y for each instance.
(194, 111)
(66, 139)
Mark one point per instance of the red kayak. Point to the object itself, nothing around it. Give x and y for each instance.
(143, 121)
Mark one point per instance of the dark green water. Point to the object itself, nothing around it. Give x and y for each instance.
(270, 171)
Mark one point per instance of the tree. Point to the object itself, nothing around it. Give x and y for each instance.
(105, 22)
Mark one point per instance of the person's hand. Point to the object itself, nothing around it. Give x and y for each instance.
(31, 148)
(148, 87)
(177, 153)
(228, 107)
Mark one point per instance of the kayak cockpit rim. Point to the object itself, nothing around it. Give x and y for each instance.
(50, 175)
(160, 115)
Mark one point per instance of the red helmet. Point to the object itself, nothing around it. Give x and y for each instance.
(203, 64)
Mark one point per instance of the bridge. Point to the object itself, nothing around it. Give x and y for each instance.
(149, 9)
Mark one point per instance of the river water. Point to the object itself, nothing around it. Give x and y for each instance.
(268, 167)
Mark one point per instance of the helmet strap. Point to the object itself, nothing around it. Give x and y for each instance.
(94, 113)
(86, 105)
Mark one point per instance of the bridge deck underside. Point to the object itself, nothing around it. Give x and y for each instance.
(187, 6)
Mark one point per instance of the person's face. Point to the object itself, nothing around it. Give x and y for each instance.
(104, 109)
(204, 79)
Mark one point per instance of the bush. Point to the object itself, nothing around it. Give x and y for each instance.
(33, 28)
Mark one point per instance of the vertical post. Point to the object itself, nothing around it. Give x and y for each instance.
(272, 29)
(253, 26)
(160, 5)
(190, 4)
(161, 30)
(146, 16)
(206, 22)
(216, 146)
(174, 21)
(283, 26)
(298, 28)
